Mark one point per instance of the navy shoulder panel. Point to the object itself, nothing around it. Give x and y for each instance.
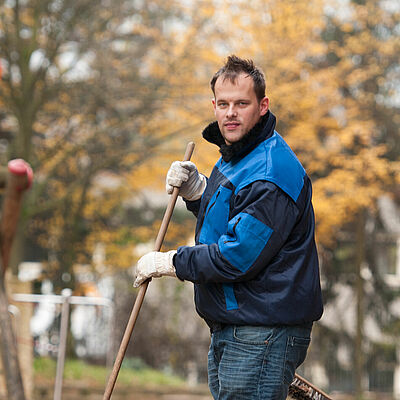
(272, 160)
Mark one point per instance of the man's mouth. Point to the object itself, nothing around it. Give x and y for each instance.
(231, 125)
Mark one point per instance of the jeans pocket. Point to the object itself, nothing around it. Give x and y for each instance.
(253, 334)
(296, 351)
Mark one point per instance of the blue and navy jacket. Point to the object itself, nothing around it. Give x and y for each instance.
(255, 260)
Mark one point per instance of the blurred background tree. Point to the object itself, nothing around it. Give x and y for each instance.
(87, 105)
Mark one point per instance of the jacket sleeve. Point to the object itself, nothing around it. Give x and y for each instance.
(264, 218)
(193, 206)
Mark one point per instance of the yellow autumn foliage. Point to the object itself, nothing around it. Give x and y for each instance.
(324, 109)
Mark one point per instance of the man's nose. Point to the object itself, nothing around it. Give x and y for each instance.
(231, 111)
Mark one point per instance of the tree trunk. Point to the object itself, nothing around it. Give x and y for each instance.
(359, 287)
(8, 349)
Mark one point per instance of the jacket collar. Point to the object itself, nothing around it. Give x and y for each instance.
(262, 130)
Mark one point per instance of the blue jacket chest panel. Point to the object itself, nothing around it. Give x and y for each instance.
(273, 160)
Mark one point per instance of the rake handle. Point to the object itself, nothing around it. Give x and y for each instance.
(142, 290)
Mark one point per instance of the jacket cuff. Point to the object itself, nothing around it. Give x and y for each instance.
(173, 262)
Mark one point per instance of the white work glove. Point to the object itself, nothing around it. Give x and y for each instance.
(184, 175)
(154, 265)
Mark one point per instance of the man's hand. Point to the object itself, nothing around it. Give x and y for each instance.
(154, 265)
(184, 175)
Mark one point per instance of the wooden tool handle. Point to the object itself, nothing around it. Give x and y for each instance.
(142, 290)
(171, 204)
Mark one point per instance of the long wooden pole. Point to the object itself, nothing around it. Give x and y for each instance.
(142, 290)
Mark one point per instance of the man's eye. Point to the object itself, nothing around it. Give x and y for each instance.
(222, 104)
(243, 103)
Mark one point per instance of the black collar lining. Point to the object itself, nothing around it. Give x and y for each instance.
(263, 129)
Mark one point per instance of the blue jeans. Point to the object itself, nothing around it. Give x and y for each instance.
(255, 362)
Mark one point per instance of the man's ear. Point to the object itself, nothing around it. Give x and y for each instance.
(214, 104)
(264, 105)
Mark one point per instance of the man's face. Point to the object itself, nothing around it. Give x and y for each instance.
(236, 107)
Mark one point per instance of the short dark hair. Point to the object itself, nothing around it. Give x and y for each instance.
(234, 66)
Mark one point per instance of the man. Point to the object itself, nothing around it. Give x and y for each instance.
(254, 266)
